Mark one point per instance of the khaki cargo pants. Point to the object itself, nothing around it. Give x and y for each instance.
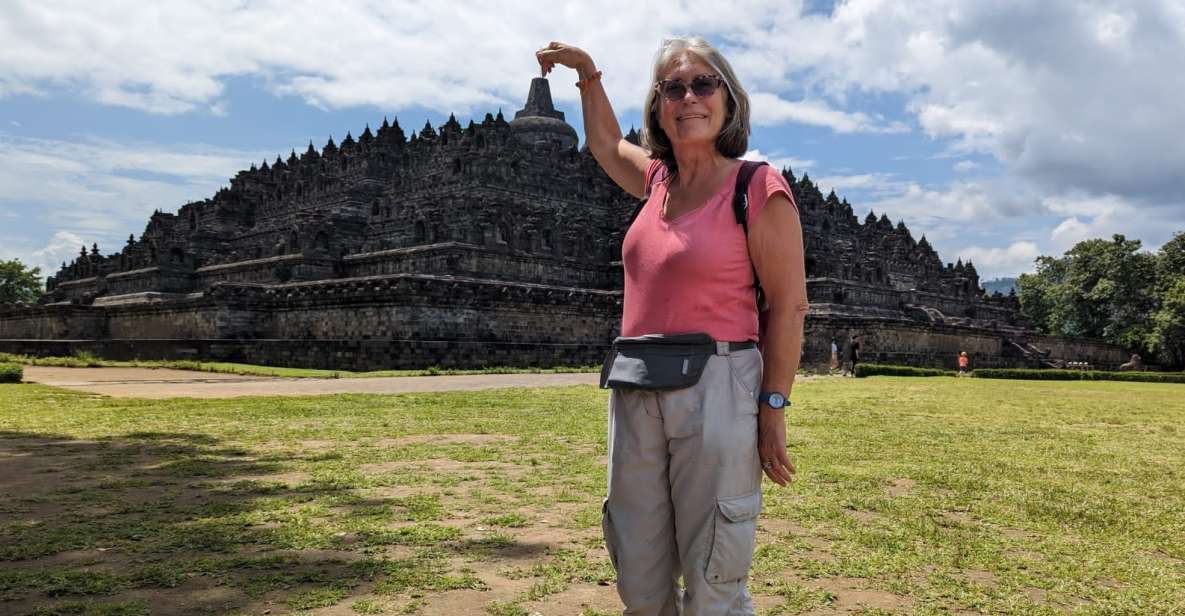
(685, 491)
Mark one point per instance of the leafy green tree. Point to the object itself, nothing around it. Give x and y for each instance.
(19, 284)
(1168, 327)
(1036, 292)
(1099, 289)
(1167, 338)
(1170, 262)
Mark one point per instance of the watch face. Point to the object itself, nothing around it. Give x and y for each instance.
(777, 401)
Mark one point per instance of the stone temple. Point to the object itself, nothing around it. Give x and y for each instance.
(494, 243)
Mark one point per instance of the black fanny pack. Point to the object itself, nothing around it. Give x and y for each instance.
(660, 361)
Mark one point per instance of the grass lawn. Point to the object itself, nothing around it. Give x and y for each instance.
(928, 496)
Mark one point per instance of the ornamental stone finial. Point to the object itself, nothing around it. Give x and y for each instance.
(539, 101)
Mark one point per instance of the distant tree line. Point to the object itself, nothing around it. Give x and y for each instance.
(19, 284)
(1111, 290)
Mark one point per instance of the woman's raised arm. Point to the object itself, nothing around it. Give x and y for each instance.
(623, 161)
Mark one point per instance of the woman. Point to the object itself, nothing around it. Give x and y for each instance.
(685, 465)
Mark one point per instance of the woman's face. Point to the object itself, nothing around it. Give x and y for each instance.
(692, 120)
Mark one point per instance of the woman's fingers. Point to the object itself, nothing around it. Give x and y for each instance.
(783, 466)
(771, 441)
(558, 53)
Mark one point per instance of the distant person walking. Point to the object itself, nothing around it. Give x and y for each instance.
(834, 356)
(964, 361)
(689, 438)
(853, 356)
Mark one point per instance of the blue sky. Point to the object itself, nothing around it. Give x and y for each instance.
(1002, 131)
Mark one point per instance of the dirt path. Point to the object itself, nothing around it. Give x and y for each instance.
(164, 383)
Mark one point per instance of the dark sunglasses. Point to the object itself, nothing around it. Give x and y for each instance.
(701, 85)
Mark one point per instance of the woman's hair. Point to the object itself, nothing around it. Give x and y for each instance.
(733, 140)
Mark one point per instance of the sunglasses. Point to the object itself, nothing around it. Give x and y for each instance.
(701, 85)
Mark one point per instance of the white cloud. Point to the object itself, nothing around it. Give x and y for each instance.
(779, 161)
(964, 202)
(1068, 95)
(869, 185)
(772, 109)
(178, 57)
(1074, 99)
(1086, 217)
(97, 190)
(995, 262)
(63, 247)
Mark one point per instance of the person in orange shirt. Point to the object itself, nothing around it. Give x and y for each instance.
(963, 361)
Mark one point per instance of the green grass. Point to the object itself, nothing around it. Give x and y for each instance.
(933, 495)
(87, 360)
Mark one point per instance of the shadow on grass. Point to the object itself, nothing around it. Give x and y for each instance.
(170, 523)
(185, 523)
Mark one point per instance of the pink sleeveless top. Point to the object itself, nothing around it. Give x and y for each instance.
(693, 273)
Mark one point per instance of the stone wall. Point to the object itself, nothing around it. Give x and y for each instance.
(938, 346)
(462, 259)
(417, 321)
(401, 321)
(53, 323)
(1095, 352)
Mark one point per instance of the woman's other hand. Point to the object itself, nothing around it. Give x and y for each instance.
(562, 54)
(771, 446)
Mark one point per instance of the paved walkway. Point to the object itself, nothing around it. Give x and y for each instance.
(164, 383)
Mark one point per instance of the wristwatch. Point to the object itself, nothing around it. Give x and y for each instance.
(774, 399)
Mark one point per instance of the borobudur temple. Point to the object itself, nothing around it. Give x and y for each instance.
(497, 243)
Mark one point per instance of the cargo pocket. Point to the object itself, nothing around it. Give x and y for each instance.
(610, 536)
(735, 533)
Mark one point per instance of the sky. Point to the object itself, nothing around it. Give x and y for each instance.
(1000, 130)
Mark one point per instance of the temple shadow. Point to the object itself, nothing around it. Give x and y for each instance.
(176, 521)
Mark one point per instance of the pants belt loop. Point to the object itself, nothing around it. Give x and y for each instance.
(722, 347)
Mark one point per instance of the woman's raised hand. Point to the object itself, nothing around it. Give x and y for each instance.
(562, 54)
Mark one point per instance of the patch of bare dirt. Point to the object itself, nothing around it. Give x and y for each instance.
(444, 466)
(291, 479)
(1038, 595)
(194, 596)
(1161, 556)
(780, 527)
(854, 594)
(473, 602)
(864, 516)
(981, 577)
(901, 487)
(445, 439)
(958, 517)
(577, 598)
(319, 444)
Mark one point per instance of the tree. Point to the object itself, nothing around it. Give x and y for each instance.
(1036, 292)
(1167, 338)
(19, 284)
(1098, 289)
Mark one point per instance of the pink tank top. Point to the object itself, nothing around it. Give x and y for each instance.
(693, 273)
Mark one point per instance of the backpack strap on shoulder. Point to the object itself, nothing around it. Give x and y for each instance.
(740, 210)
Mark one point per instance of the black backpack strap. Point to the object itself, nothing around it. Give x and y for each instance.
(740, 210)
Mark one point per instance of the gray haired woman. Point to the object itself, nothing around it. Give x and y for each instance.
(685, 463)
